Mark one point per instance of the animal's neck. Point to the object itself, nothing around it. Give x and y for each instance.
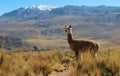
(69, 37)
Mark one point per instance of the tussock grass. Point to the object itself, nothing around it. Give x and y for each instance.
(45, 62)
(31, 63)
(107, 64)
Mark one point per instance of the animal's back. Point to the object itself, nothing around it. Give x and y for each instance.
(84, 45)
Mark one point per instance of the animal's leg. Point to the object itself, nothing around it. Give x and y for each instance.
(77, 55)
(95, 51)
(81, 57)
(94, 55)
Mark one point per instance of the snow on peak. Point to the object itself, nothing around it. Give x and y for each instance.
(43, 7)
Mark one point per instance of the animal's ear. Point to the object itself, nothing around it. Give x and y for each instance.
(65, 26)
(70, 26)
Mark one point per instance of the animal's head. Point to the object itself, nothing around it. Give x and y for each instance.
(68, 29)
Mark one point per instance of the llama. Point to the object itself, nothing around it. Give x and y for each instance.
(80, 46)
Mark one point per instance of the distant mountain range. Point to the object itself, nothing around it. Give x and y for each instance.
(47, 12)
(101, 23)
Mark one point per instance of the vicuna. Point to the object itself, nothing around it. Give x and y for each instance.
(80, 46)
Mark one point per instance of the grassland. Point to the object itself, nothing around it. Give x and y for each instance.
(45, 62)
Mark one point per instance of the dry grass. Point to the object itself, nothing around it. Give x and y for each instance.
(107, 64)
(31, 63)
(44, 62)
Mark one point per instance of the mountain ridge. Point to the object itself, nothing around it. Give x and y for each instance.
(36, 14)
(43, 7)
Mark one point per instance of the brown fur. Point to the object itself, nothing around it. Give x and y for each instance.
(80, 46)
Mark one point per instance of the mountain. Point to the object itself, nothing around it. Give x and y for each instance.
(43, 7)
(43, 26)
(47, 12)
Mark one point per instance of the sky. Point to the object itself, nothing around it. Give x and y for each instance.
(9, 5)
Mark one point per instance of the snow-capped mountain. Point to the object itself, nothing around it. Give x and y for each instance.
(43, 7)
(42, 12)
(33, 12)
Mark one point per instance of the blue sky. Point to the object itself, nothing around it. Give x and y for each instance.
(9, 5)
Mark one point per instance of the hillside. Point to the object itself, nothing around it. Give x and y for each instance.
(10, 42)
(45, 28)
